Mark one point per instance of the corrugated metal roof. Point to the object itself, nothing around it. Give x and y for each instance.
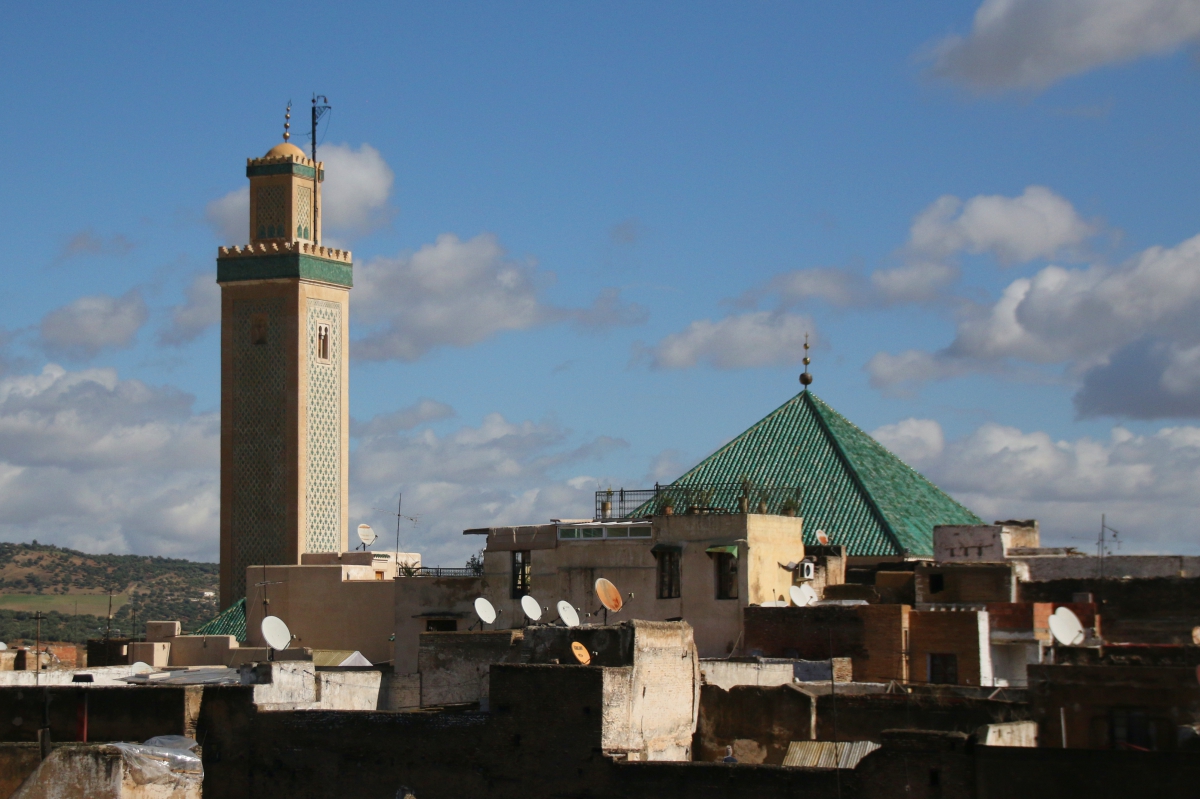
(822, 754)
(851, 486)
(231, 621)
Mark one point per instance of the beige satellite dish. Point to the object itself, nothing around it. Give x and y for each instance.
(276, 633)
(609, 596)
(580, 652)
(366, 534)
(141, 668)
(484, 610)
(1066, 627)
(822, 538)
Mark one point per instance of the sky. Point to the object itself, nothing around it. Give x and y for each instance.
(590, 239)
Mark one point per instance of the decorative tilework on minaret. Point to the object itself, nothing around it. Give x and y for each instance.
(285, 420)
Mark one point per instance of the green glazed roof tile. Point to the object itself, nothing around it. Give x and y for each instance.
(859, 493)
(231, 621)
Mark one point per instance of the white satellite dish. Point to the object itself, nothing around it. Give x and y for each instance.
(774, 603)
(141, 668)
(567, 613)
(276, 633)
(533, 611)
(3, 646)
(366, 534)
(1066, 628)
(802, 595)
(485, 611)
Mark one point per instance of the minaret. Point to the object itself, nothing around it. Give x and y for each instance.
(285, 423)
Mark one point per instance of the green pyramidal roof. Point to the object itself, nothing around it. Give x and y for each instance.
(231, 621)
(859, 493)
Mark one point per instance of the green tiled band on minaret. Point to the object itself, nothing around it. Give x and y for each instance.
(270, 267)
(851, 486)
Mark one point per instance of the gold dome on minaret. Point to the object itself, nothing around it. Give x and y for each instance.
(284, 148)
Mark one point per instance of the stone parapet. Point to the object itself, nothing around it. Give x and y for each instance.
(285, 248)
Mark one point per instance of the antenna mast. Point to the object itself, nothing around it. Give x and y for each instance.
(318, 111)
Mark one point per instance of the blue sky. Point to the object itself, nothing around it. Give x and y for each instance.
(590, 238)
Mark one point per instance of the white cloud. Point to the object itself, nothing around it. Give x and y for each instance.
(499, 472)
(452, 292)
(1146, 484)
(357, 185)
(86, 242)
(229, 216)
(1036, 224)
(107, 465)
(760, 338)
(91, 324)
(458, 293)
(915, 441)
(200, 311)
(423, 411)
(1034, 43)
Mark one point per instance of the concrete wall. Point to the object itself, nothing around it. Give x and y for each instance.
(1116, 567)
(726, 674)
(454, 666)
(966, 583)
(415, 600)
(568, 570)
(757, 721)
(104, 772)
(963, 633)
(126, 713)
(201, 650)
(810, 633)
(325, 607)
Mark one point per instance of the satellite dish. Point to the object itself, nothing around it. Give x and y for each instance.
(580, 652)
(141, 668)
(822, 539)
(3, 646)
(366, 534)
(567, 613)
(774, 603)
(485, 611)
(533, 610)
(1195, 636)
(276, 633)
(1065, 627)
(609, 596)
(802, 595)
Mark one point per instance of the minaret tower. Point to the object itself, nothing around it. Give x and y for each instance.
(285, 424)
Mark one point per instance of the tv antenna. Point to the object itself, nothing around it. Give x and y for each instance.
(319, 109)
(399, 516)
(1102, 542)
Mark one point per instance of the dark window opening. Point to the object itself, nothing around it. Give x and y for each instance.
(668, 575)
(323, 342)
(521, 567)
(943, 669)
(937, 583)
(1132, 729)
(441, 626)
(727, 576)
(935, 778)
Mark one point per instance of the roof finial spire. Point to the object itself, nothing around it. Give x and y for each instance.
(287, 122)
(805, 377)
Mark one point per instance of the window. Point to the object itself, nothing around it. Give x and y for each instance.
(1132, 728)
(727, 577)
(668, 575)
(441, 626)
(378, 575)
(639, 532)
(258, 329)
(937, 583)
(943, 669)
(521, 567)
(323, 342)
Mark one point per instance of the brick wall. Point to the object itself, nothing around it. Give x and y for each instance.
(885, 634)
(955, 632)
(804, 633)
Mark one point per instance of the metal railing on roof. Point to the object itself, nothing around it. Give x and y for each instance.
(440, 571)
(696, 498)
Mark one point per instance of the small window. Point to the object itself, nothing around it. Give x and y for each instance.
(258, 329)
(591, 532)
(668, 575)
(937, 583)
(618, 532)
(943, 669)
(378, 575)
(521, 567)
(727, 576)
(441, 626)
(568, 532)
(323, 342)
(639, 532)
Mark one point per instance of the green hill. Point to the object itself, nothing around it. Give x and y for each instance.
(72, 589)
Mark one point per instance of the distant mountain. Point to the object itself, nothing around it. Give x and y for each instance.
(72, 589)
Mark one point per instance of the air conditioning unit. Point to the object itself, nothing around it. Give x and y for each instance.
(807, 570)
